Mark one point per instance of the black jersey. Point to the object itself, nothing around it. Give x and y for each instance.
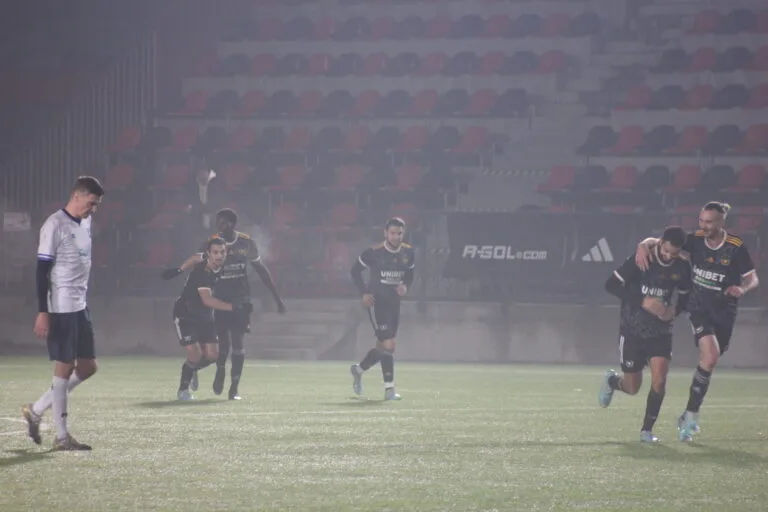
(660, 281)
(233, 282)
(387, 269)
(189, 305)
(715, 270)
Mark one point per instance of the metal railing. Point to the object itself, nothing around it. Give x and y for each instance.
(77, 139)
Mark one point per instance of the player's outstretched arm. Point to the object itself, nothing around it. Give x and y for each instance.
(266, 278)
(212, 302)
(190, 262)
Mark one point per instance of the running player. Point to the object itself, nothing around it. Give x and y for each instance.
(722, 273)
(193, 314)
(232, 286)
(63, 270)
(645, 331)
(390, 267)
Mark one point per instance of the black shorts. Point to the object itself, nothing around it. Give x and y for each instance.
(70, 336)
(635, 351)
(235, 322)
(704, 323)
(191, 331)
(385, 318)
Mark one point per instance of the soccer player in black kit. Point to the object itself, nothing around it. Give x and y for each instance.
(722, 272)
(390, 267)
(193, 314)
(233, 286)
(645, 332)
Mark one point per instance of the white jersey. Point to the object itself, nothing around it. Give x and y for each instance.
(67, 243)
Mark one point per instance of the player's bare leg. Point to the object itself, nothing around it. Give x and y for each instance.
(659, 369)
(709, 355)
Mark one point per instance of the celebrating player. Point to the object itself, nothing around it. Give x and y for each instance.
(232, 286)
(722, 273)
(63, 269)
(390, 265)
(645, 332)
(193, 314)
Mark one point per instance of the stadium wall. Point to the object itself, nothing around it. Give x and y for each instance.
(433, 331)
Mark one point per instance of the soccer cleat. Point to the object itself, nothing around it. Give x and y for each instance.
(357, 379)
(184, 395)
(390, 394)
(69, 444)
(605, 395)
(646, 436)
(33, 423)
(687, 426)
(194, 383)
(235, 396)
(218, 380)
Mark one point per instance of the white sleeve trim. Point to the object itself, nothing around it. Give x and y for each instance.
(360, 259)
(683, 292)
(256, 259)
(204, 288)
(618, 276)
(749, 273)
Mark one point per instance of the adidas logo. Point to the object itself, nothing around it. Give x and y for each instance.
(599, 253)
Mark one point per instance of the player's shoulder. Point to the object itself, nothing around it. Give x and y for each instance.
(243, 236)
(55, 219)
(734, 240)
(376, 247)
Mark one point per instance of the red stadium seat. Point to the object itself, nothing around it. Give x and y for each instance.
(758, 97)
(324, 29)
(365, 103)
(381, 28)
(414, 139)
(290, 177)
(431, 65)
(263, 64)
(638, 97)
(552, 62)
(698, 97)
(560, 178)
(235, 176)
(760, 60)
(119, 177)
(174, 177)
(755, 140)
(702, 60)
(342, 215)
(623, 178)
(183, 139)
(423, 103)
(687, 178)
(691, 139)
(349, 177)
(355, 139)
(705, 22)
(474, 138)
(240, 139)
(285, 215)
(298, 140)
(555, 25)
(750, 179)
(481, 103)
(251, 103)
(491, 63)
(129, 138)
(439, 27)
(374, 64)
(749, 219)
(496, 26)
(630, 138)
(194, 103)
(408, 176)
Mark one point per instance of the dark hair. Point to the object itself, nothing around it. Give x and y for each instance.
(717, 206)
(395, 221)
(214, 241)
(228, 214)
(88, 184)
(675, 235)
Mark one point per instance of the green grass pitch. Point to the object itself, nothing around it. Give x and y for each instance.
(464, 437)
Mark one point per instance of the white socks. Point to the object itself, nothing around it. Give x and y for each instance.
(46, 400)
(59, 391)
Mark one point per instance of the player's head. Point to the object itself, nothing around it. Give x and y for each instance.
(86, 197)
(226, 220)
(671, 243)
(394, 230)
(712, 218)
(216, 249)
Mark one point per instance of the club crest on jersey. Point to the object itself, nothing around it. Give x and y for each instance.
(710, 259)
(675, 277)
(725, 261)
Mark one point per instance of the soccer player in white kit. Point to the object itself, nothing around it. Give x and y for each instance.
(63, 269)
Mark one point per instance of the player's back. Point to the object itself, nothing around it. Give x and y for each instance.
(66, 241)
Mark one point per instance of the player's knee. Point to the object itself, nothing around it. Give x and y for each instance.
(238, 351)
(708, 360)
(659, 385)
(86, 369)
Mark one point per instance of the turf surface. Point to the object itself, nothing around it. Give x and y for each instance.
(469, 438)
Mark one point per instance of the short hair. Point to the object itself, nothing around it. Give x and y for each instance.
(214, 241)
(396, 222)
(228, 214)
(675, 235)
(89, 185)
(717, 206)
